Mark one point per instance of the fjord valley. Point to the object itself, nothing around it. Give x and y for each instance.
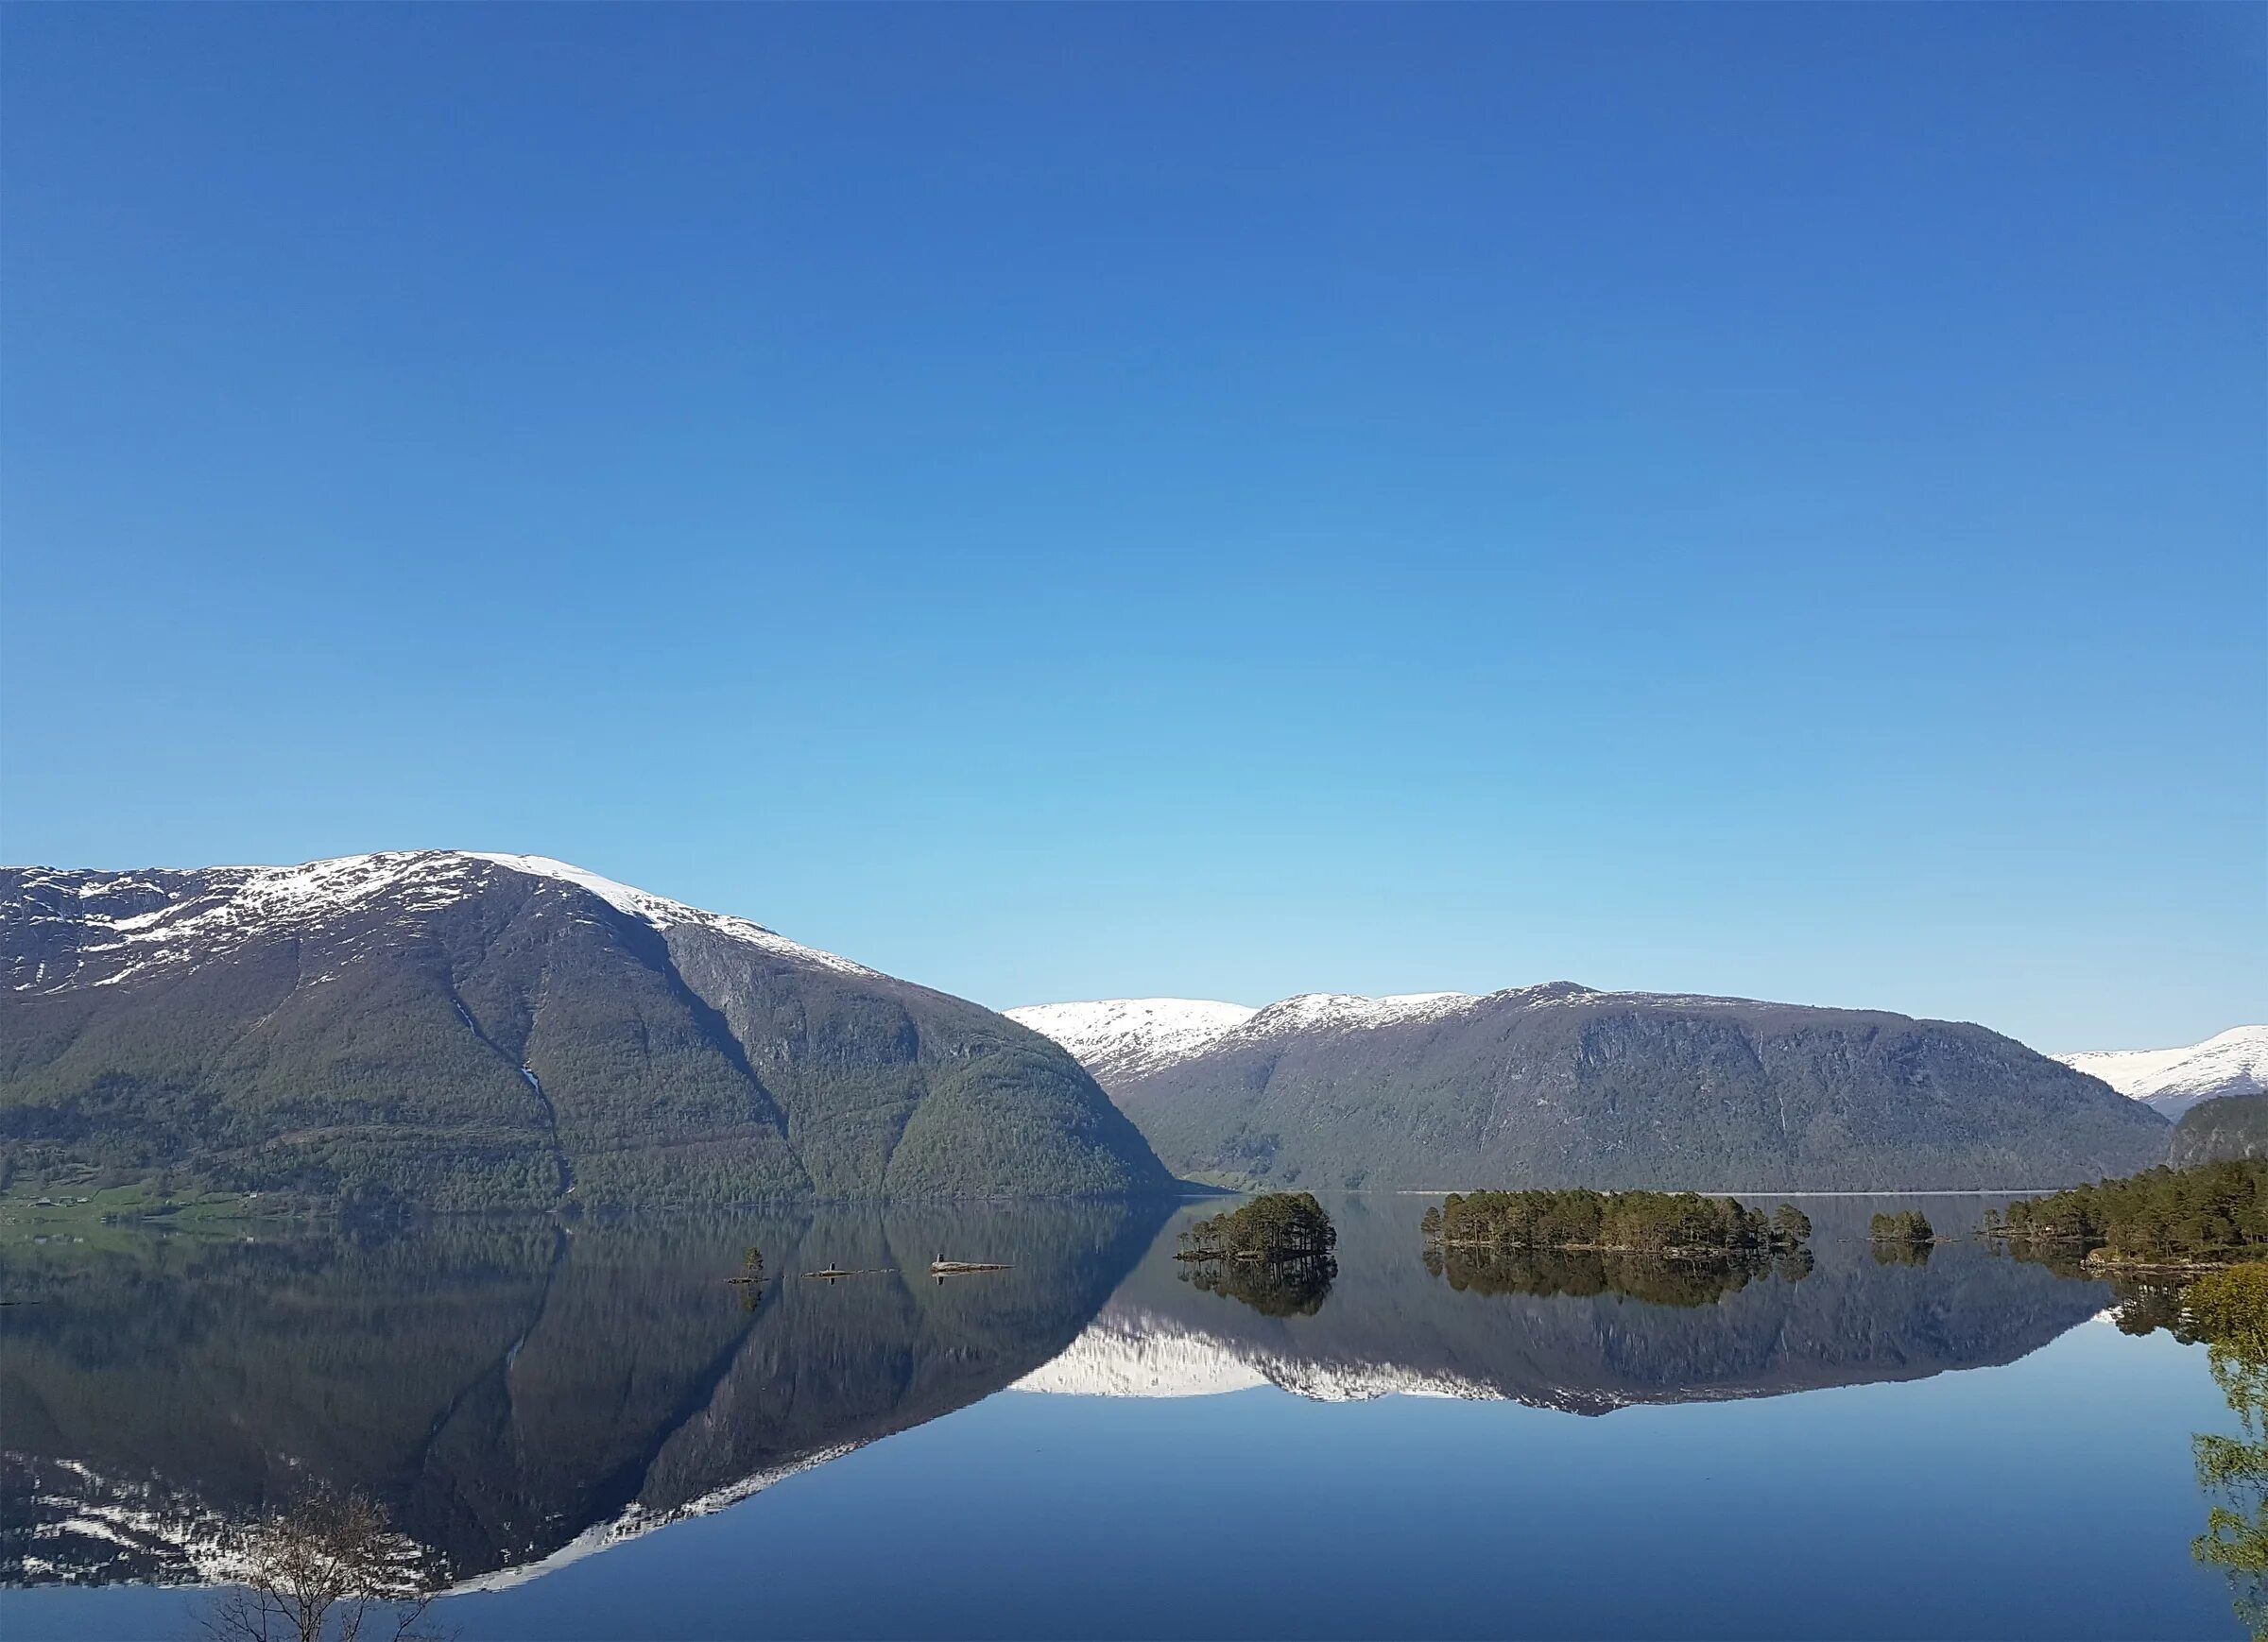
(1563, 1085)
(456, 1031)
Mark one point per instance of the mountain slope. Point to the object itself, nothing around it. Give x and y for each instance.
(1559, 1084)
(2171, 1081)
(2222, 1131)
(468, 1031)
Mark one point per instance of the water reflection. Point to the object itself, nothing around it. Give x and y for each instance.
(514, 1395)
(1887, 1253)
(508, 1393)
(1296, 1287)
(2232, 1471)
(1585, 1333)
(1588, 1272)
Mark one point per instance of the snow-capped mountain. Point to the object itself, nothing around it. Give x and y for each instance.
(2171, 1081)
(103, 929)
(1562, 1083)
(1124, 1037)
(1133, 1034)
(457, 1029)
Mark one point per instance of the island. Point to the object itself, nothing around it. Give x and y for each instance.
(1665, 1225)
(1281, 1225)
(2215, 1214)
(1909, 1226)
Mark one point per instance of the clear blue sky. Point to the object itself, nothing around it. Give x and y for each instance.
(1223, 502)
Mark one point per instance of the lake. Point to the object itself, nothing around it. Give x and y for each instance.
(593, 1434)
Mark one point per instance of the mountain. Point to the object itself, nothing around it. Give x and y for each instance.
(2220, 1131)
(1559, 1084)
(2171, 1081)
(457, 1031)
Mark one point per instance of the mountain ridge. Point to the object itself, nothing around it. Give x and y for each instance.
(1563, 1083)
(466, 1030)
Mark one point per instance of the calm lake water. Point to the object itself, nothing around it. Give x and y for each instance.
(596, 1436)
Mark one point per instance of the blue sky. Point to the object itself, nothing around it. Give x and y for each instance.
(1222, 502)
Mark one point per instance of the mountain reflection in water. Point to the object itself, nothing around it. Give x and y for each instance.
(506, 1392)
(1585, 1333)
(513, 1394)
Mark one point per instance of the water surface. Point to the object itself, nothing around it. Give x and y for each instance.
(594, 1434)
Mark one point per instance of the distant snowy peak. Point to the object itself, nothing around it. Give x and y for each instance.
(2172, 1081)
(1117, 1037)
(1133, 1034)
(1125, 1037)
(120, 926)
(1345, 1009)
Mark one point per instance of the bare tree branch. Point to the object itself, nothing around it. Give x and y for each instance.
(319, 1571)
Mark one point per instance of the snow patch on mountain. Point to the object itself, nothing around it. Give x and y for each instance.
(1120, 1037)
(2171, 1081)
(115, 927)
(665, 914)
(1348, 1010)
(1133, 1034)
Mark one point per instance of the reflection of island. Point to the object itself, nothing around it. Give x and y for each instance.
(1588, 1272)
(1572, 1336)
(1272, 1288)
(509, 1393)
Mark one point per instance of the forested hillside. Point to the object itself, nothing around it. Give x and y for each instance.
(2219, 1131)
(459, 1032)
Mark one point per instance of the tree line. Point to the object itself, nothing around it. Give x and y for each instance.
(1652, 1223)
(2217, 1212)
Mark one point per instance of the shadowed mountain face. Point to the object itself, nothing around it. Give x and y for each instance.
(508, 1394)
(1562, 1086)
(2222, 1131)
(1584, 1334)
(456, 1031)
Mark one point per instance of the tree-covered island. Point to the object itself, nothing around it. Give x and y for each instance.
(2212, 1215)
(1670, 1224)
(1282, 1225)
(1910, 1227)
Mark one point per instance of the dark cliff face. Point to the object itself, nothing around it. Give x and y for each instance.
(1556, 1085)
(2221, 1131)
(452, 1032)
